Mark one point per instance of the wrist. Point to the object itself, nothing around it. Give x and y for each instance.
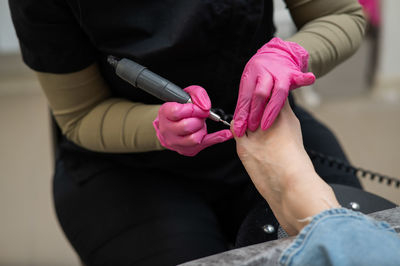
(296, 52)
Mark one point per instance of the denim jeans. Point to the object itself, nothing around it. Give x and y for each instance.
(343, 237)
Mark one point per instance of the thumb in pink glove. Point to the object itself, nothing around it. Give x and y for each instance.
(276, 68)
(182, 127)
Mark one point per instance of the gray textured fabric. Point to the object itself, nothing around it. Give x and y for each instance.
(391, 216)
(268, 253)
(261, 254)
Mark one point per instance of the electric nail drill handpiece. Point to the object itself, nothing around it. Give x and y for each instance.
(140, 77)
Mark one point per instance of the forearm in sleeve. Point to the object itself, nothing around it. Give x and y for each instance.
(330, 30)
(82, 105)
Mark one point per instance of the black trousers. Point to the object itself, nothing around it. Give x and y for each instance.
(124, 217)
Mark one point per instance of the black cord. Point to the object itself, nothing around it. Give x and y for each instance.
(334, 162)
(222, 114)
(359, 172)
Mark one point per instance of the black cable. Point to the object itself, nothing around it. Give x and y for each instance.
(359, 172)
(222, 114)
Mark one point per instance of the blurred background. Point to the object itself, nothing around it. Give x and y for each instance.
(359, 101)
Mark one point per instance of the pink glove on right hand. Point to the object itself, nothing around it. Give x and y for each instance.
(182, 127)
(275, 69)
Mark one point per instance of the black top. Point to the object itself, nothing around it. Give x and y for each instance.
(197, 42)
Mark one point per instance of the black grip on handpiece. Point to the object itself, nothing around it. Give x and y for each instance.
(140, 77)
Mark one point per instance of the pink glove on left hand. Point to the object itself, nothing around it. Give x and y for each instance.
(182, 127)
(276, 68)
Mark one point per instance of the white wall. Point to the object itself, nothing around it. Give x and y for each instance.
(8, 39)
(389, 63)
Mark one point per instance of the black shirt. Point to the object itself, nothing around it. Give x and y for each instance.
(190, 42)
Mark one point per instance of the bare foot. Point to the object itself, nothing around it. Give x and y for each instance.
(283, 173)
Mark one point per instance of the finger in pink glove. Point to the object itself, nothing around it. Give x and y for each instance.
(275, 69)
(182, 127)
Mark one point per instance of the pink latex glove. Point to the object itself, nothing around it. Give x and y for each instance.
(276, 68)
(372, 8)
(182, 127)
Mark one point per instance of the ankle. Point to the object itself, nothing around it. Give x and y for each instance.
(303, 200)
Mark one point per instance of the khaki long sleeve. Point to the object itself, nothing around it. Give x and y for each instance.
(330, 30)
(89, 117)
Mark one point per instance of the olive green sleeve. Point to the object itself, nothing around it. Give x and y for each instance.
(82, 105)
(330, 30)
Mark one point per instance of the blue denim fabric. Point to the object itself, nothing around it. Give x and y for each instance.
(343, 237)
